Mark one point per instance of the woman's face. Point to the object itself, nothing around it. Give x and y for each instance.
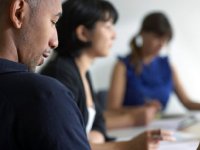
(101, 37)
(153, 43)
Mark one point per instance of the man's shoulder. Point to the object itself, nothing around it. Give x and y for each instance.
(51, 108)
(46, 88)
(41, 80)
(41, 84)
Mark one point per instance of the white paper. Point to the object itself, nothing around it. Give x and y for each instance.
(186, 145)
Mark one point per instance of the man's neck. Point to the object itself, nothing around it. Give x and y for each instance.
(7, 49)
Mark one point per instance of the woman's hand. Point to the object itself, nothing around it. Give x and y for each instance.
(144, 115)
(96, 137)
(149, 140)
(154, 103)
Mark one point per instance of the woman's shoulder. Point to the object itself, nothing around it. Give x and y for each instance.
(163, 59)
(60, 66)
(164, 64)
(124, 58)
(65, 70)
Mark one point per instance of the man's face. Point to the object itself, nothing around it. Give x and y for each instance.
(39, 35)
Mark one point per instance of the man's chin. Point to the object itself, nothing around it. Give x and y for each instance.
(41, 62)
(32, 69)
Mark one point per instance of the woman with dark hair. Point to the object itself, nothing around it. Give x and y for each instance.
(86, 31)
(143, 78)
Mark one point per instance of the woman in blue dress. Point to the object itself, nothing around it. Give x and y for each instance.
(144, 80)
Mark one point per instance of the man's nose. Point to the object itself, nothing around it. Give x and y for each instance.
(53, 43)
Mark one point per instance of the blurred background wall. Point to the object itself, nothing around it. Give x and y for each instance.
(184, 49)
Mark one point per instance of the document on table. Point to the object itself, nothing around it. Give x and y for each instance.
(172, 124)
(175, 123)
(184, 145)
(192, 131)
(178, 135)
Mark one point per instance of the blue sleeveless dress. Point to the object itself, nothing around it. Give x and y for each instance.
(155, 82)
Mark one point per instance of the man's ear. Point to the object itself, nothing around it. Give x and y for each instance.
(82, 33)
(17, 12)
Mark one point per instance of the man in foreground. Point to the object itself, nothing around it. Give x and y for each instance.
(36, 112)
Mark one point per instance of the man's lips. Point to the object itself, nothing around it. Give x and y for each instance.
(46, 53)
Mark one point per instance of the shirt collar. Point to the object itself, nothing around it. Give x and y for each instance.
(7, 66)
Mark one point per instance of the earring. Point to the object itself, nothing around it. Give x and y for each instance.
(139, 40)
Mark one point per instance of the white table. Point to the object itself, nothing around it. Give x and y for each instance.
(186, 140)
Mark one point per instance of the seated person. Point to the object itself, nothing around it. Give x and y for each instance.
(85, 32)
(33, 115)
(143, 79)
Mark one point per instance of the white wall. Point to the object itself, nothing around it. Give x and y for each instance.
(184, 49)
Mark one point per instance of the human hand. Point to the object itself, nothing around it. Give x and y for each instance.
(96, 137)
(144, 115)
(149, 140)
(154, 103)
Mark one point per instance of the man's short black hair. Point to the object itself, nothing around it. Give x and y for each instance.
(32, 3)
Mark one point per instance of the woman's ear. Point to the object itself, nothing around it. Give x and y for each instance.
(82, 33)
(17, 12)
